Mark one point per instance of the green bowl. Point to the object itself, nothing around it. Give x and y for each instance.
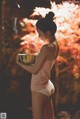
(27, 58)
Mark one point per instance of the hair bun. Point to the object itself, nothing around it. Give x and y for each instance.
(50, 16)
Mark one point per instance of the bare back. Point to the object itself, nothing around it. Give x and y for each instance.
(53, 51)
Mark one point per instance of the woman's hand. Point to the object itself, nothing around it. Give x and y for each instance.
(28, 68)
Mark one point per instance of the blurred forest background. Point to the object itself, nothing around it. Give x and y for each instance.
(15, 91)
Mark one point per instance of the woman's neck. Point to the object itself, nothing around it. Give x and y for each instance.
(52, 39)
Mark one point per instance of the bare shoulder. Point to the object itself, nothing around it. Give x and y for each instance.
(45, 48)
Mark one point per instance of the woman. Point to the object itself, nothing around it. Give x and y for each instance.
(41, 86)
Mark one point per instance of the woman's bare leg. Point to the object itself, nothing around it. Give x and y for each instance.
(41, 104)
(38, 104)
(49, 112)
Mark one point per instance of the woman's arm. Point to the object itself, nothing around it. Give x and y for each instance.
(38, 63)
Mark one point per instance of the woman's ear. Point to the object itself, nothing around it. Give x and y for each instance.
(48, 33)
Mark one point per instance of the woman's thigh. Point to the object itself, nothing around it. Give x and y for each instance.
(39, 101)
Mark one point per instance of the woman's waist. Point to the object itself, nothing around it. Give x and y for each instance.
(39, 80)
(41, 76)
